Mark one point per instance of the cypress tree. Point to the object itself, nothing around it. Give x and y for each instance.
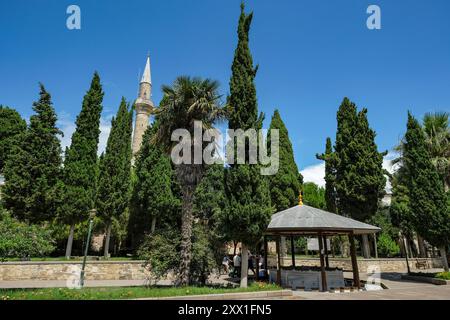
(115, 170)
(285, 184)
(79, 186)
(330, 176)
(360, 177)
(153, 201)
(33, 167)
(11, 127)
(247, 191)
(428, 202)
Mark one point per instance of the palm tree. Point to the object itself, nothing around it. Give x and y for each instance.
(186, 101)
(437, 134)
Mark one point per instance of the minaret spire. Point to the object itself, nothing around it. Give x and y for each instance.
(147, 75)
(144, 106)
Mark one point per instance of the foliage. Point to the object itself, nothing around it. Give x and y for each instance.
(33, 167)
(286, 183)
(313, 195)
(248, 198)
(437, 137)
(428, 204)
(330, 176)
(387, 246)
(360, 177)
(204, 257)
(160, 250)
(20, 240)
(12, 126)
(400, 209)
(152, 196)
(114, 183)
(301, 244)
(80, 164)
(443, 275)
(115, 167)
(188, 100)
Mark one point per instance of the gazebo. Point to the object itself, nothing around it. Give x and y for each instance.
(308, 221)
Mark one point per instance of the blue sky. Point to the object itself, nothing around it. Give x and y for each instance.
(310, 54)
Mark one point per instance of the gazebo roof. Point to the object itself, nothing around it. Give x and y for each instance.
(304, 219)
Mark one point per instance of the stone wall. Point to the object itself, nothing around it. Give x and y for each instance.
(56, 270)
(384, 265)
(134, 270)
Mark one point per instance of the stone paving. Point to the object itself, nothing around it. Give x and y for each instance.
(398, 289)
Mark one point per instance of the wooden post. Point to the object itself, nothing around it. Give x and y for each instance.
(278, 261)
(327, 262)
(375, 244)
(266, 253)
(293, 251)
(354, 261)
(322, 265)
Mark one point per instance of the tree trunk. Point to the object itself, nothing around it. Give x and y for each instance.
(152, 230)
(186, 234)
(70, 241)
(444, 257)
(244, 265)
(421, 245)
(107, 240)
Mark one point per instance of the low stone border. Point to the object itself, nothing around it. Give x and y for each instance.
(426, 279)
(230, 296)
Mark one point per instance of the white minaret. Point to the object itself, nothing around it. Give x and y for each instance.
(144, 106)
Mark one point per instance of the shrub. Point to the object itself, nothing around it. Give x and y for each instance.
(387, 246)
(443, 275)
(20, 240)
(161, 251)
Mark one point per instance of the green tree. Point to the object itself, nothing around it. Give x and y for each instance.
(20, 240)
(285, 185)
(428, 202)
(12, 126)
(152, 198)
(248, 198)
(313, 195)
(209, 207)
(185, 103)
(330, 176)
(34, 165)
(437, 136)
(79, 184)
(360, 177)
(115, 170)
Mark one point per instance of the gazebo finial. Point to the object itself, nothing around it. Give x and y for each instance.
(300, 199)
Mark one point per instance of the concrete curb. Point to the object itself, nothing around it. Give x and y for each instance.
(230, 296)
(426, 280)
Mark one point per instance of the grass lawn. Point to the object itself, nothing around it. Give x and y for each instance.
(122, 292)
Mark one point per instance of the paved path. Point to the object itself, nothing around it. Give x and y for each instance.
(398, 289)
